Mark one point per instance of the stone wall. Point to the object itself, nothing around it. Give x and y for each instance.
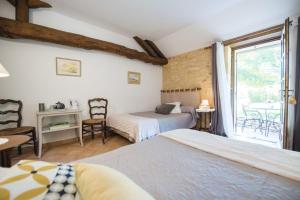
(190, 70)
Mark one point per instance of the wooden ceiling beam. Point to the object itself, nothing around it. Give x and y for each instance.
(22, 11)
(12, 2)
(16, 29)
(156, 49)
(32, 3)
(145, 46)
(38, 4)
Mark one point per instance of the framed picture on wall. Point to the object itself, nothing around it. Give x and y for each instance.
(68, 67)
(134, 78)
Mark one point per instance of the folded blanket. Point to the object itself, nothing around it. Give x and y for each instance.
(278, 161)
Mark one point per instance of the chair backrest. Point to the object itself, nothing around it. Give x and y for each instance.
(252, 113)
(10, 108)
(98, 107)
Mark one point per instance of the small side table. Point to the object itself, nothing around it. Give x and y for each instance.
(13, 141)
(205, 114)
(43, 127)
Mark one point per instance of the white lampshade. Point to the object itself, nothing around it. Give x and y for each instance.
(3, 72)
(204, 102)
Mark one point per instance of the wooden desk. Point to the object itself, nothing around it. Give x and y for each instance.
(203, 113)
(44, 127)
(13, 141)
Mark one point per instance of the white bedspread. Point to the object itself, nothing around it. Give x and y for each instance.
(278, 161)
(137, 127)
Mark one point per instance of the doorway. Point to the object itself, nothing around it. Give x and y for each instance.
(257, 97)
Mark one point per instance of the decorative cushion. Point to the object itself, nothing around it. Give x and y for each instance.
(164, 109)
(96, 182)
(177, 108)
(38, 180)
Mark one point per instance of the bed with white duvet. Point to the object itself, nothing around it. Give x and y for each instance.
(143, 125)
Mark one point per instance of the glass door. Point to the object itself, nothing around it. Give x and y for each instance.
(257, 96)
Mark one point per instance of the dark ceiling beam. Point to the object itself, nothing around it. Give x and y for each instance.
(12, 2)
(22, 11)
(38, 4)
(156, 49)
(145, 46)
(16, 29)
(32, 3)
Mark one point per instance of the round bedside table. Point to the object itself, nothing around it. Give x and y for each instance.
(13, 141)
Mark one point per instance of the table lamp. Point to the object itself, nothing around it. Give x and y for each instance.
(204, 104)
(3, 72)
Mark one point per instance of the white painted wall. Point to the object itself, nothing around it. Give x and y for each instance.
(33, 74)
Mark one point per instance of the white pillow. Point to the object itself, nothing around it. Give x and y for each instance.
(177, 108)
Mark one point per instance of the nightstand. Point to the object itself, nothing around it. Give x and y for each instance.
(205, 118)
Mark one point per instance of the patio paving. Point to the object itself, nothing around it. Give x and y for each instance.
(250, 135)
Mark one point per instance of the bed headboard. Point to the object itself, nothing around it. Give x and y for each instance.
(187, 97)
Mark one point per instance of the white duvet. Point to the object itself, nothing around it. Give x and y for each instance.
(138, 128)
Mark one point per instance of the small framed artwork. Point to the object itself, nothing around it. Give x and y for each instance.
(134, 78)
(68, 67)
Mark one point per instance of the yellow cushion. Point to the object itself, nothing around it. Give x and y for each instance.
(96, 182)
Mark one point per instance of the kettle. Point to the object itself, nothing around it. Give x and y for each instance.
(59, 105)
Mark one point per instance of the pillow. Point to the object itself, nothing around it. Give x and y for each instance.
(187, 109)
(164, 109)
(177, 108)
(96, 182)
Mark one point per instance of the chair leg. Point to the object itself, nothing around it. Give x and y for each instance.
(244, 124)
(280, 136)
(35, 142)
(82, 130)
(19, 150)
(103, 132)
(92, 132)
(103, 141)
(268, 129)
(261, 126)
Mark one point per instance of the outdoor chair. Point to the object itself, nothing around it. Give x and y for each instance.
(253, 119)
(274, 125)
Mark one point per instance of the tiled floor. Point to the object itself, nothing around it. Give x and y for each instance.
(73, 151)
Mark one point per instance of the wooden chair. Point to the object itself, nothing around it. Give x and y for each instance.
(97, 121)
(17, 129)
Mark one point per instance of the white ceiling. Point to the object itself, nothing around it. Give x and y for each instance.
(180, 25)
(152, 19)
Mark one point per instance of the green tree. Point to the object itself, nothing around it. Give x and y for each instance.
(259, 73)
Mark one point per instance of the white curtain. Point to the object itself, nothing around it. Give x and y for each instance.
(224, 91)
